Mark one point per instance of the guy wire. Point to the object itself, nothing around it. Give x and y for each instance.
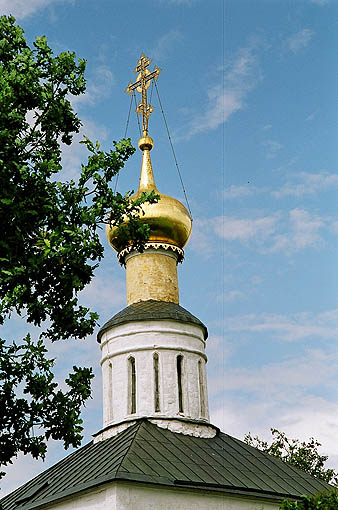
(125, 133)
(172, 148)
(138, 120)
(125, 136)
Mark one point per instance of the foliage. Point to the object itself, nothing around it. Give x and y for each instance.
(50, 245)
(25, 366)
(321, 501)
(302, 455)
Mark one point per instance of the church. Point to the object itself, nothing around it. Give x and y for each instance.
(157, 449)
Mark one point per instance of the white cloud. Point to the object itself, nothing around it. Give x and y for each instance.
(307, 184)
(245, 190)
(315, 417)
(75, 154)
(300, 40)
(165, 43)
(200, 238)
(310, 416)
(281, 232)
(214, 342)
(293, 327)
(320, 2)
(104, 297)
(311, 116)
(177, 2)
(334, 227)
(228, 295)
(232, 295)
(273, 147)
(228, 97)
(243, 229)
(286, 380)
(303, 232)
(298, 185)
(96, 89)
(281, 394)
(22, 8)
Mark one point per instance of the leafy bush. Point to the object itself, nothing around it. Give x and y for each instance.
(321, 501)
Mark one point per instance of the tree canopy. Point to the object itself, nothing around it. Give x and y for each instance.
(302, 455)
(49, 244)
(321, 501)
(306, 457)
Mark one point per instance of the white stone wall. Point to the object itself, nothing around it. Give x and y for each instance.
(101, 498)
(141, 340)
(137, 497)
(134, 496)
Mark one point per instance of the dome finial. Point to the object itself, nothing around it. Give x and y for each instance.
(147, 181)
(141, 84)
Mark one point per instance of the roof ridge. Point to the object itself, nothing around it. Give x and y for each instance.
(155, 429)
(188, 447)
(137, 428)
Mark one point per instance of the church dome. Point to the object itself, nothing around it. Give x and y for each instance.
(169, 221)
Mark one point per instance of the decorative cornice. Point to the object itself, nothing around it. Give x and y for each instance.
(153, 348)
(176, 424)
(154, 246)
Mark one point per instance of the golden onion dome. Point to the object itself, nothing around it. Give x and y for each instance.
(169, 221)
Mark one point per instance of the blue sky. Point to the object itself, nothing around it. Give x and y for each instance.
(250, 93)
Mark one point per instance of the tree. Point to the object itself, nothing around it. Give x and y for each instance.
(321, 501)
(50, 245)
(302, 455)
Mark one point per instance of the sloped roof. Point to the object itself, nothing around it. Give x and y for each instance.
(147, 453)
(152, 310)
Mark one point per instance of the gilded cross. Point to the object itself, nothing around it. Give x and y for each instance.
(141, 84)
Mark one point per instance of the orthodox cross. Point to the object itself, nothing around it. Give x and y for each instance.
(141, 84)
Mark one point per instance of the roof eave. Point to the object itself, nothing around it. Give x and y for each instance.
(158, 481)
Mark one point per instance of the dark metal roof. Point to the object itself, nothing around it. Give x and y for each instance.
(149, 454)
(152, 310)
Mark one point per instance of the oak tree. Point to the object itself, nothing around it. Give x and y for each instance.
(302, 455)
(49, 241)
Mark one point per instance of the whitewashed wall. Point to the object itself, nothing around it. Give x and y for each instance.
(133, 497)
(141, 340)
(102, 498)
(123, 496)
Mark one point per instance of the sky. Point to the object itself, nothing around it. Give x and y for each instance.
(249, 89)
